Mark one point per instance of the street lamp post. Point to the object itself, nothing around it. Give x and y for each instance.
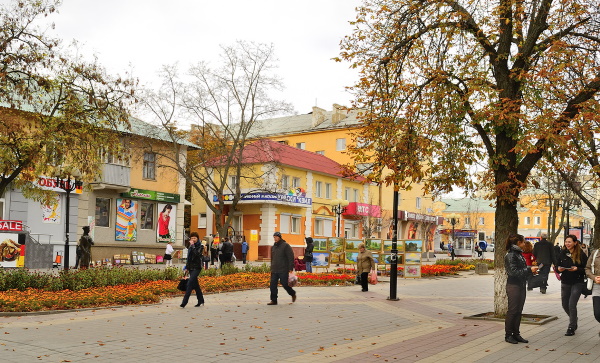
(453, 219)
(68, 185)
(338, 207)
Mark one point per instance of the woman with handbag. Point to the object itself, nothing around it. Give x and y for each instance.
(518, 272)
(308, 254)
(571, 265)
(592, 270)
(364, 264)
(193, 267)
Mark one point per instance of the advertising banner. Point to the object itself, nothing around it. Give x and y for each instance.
(165, 225)
(126, 226)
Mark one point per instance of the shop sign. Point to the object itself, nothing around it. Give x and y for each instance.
(12, 226)
(267, 197)
(411, 216)
(51, 184)
(152, 195)
(362, 209)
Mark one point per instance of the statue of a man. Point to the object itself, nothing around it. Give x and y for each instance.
(85, 246)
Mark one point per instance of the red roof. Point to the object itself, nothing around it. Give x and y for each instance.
(265, 151)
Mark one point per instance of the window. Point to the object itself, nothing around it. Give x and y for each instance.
(285, 181)
(146, 215)
(355, 196)
(347, 193)
(481, 220)
(418, 203)
(537, 220)
(296, 224)
(319, 189)
(301, 145)
(328, 190)
(527, 220)
(296, 182)
(320, 152)
(323, 227)
(233, 182)
(284, 223)
(102, 212)
(149, 167)
(340, 144)
(350, 230)
(202, 220)
(467, 220)
(364, 169)
(319, 227)
(481, 236)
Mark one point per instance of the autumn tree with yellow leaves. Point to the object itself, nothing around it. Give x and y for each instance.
(445, 84)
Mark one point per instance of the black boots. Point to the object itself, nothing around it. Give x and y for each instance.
(514, 339)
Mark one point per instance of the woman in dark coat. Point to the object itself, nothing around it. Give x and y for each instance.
(308, 254)
(518, 272)
(571, 266)
(193, 267)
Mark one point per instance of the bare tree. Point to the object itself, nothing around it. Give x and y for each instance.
(223, 104)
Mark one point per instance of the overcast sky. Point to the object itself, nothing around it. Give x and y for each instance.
(144, 34)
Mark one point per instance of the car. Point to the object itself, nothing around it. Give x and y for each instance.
(490, 247)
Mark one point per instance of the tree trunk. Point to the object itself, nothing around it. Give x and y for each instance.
(506, 224)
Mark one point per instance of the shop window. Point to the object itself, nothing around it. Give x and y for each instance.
(102, 212)
(319, 227)
(146, 215)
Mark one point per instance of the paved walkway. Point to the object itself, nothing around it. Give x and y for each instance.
(326, 324)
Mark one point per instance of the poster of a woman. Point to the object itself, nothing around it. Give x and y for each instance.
(165, 229)
(126, 226)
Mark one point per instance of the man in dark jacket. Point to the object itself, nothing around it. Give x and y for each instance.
(226, 251)
(544, 255)
(282, 264)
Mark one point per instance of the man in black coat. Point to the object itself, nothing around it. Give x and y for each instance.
(544, 255)
(226, 251)
(282, 264)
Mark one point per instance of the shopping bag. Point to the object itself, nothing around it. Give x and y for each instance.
(292, 280)
(182, 284)
(373, 277)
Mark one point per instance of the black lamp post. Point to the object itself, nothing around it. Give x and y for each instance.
(394, 257)
(339, 207)
(453, 219)
(68, 185)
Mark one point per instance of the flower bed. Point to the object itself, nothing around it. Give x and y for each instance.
(35, 299)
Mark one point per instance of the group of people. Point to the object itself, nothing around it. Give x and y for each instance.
(282, 264)
(571, 265)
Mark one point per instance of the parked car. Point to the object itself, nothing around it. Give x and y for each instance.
(490, 247)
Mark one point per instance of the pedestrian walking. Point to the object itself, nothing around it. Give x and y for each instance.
(168, 257)
(544, 255)
(571, 266)
(451, 251)
(308, 254)
(193, 266)
(518, 272)
(592, 270)
(365, 263)
(226, 251)
(282, 264)
(245, 248)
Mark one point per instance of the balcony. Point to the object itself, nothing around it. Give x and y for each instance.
(116, 177)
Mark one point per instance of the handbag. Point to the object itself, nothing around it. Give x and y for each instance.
(292, 280)
(590, 282)
(182, 284)
(535, 281)
(373, 277)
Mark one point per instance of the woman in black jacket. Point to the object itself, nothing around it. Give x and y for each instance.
(518, 273)
(193, 267)
(308, 254)
(571, 265)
